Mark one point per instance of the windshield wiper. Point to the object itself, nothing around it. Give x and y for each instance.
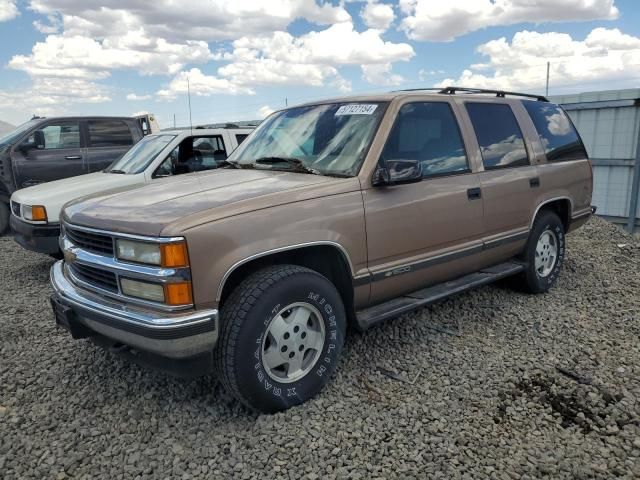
(122, 172)
(296, 163)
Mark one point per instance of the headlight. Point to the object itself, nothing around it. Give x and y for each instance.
(171, 255)
(35, 213)
(139, 252)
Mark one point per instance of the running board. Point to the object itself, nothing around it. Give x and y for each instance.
(392, 308)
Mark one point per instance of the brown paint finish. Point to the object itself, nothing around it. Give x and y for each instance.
(396, 238)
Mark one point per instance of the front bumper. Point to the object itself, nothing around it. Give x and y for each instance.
(178, 335)
(37, 238)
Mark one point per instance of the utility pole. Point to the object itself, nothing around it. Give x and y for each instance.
(286, 103)
(547, 89)
(174, 120)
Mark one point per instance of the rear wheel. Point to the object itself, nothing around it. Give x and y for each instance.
(4, 217)
(282, 331)
(544, 253)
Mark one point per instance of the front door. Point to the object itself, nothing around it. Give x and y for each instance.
(422, 233)
(54, 153)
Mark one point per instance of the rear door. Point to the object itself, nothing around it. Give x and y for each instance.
(509, 182)
(107, 140)
(61, 156)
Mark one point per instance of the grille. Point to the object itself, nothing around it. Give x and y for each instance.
(95, 276)
(15, 208)
(94, 242)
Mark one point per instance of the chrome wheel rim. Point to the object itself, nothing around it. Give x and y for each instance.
(293, 342)
(546, 253)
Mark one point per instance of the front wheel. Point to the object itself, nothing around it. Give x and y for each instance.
(544, 253)
(282, 331)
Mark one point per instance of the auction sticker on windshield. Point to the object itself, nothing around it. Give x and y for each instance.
(357, 109)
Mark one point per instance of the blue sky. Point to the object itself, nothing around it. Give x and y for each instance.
(244, 58)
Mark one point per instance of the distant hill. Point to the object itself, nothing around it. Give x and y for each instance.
(5, 127)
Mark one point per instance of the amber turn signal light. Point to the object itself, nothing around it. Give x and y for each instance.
(38, 213)
(178, 293)
(174, 255)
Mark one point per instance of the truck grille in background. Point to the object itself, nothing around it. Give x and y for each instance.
(93, 242)
(15, 208)
(95, 276)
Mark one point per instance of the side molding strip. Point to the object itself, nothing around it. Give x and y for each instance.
(430, 262)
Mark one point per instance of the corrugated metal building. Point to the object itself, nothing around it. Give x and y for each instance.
(609, 124)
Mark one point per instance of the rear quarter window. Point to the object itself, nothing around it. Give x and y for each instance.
(557, 134)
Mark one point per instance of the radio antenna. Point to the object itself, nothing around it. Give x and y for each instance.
(189, 98)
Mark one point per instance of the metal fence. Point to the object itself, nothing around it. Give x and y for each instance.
(609, 124)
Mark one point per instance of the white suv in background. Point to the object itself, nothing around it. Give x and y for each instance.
(35, 210)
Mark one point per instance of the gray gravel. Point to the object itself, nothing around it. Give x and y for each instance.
(487, 400)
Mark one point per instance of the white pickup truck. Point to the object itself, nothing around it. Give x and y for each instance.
(35, 210)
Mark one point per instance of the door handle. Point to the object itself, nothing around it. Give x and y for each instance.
(73, 157)
(474, 193)
(534, 182)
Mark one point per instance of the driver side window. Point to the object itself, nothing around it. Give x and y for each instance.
(56, 136)
(428, 132)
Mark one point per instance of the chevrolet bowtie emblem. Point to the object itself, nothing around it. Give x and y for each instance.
(69, 256)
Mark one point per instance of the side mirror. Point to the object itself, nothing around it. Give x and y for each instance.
(396, 172)
(38, 139)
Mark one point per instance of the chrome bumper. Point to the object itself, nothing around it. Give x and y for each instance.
(169, 334)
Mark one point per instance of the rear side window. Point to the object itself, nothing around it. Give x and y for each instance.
(427, 132)
(499, 136)
(557, 134)
(109, 133)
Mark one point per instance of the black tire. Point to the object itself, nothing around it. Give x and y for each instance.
(531, 279)
(245, 318)
(4, 217)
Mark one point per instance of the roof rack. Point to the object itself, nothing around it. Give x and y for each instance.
(498, 93)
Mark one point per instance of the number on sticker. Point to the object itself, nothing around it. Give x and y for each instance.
(356, 109)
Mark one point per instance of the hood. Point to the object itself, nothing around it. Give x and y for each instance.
(55, 194)
(149, 210)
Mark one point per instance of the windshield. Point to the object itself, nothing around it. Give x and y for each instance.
(329, 139)
(140, 155)
(14, 135)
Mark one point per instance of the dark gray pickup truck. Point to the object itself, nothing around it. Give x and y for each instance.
(45, 149)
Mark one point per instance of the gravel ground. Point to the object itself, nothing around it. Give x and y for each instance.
(489, 384)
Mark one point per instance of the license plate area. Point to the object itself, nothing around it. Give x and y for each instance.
(66, 318)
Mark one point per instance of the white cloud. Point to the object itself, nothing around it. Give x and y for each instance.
(8, 10)
(377, 15)
(446, 20)
(380, 74)
(311, 59)
(605, 55)
(187, 19)
(424, 74)
(82, 57)
(282, 59)
(264, 111)
(50, 97)
(135, 98)
(200, 84)
(53, 26)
